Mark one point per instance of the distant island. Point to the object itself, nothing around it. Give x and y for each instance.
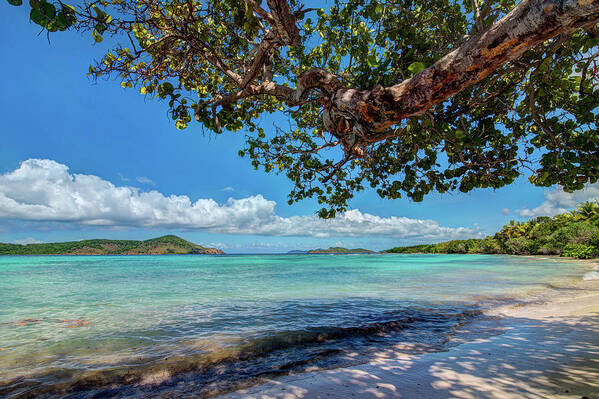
(165, 245)
(340, 250)
(573, 234)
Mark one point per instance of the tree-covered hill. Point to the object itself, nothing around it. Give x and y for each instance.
(574, 234)
(164, 245)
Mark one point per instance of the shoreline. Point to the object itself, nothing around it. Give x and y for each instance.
(494, 317)
(546, 348)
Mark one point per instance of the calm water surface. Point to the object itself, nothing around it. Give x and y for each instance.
(81, 326)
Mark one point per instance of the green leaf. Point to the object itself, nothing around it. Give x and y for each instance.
(61, 21)
(100, 15)
(15, 2)
(416, 67)
(165, 89)
(97, 37)
(52, 26)
(372, 61)
(38, 17)
(49, 10)
(460, 134)
(179, 124)
(100, 28)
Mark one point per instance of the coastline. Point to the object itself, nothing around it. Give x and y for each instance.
(545, 348)
(173, 374)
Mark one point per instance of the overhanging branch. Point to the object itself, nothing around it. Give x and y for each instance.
(364, 116)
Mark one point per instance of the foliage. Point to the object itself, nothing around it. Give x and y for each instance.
(415, 249)
(227, 63)
(574, 234)
(489, 246)
(58, 248)
(162, 245)
(580, 251)
(520, 246)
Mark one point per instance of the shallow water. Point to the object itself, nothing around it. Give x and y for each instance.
(80, 326)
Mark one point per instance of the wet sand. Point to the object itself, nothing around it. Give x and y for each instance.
(545, 349)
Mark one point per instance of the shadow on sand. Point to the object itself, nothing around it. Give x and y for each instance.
(548, 357)
(524, 356)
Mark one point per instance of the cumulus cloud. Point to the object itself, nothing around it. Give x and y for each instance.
(43, 190)
(505, 211)
(558, 201)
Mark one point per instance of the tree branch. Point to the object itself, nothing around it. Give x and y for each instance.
(365, 114)
(285, 22)
(261, 12)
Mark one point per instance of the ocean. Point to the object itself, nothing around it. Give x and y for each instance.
(103, 326)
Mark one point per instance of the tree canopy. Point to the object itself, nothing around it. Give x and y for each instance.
(403, 96)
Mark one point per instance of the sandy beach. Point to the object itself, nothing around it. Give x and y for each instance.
(545, 349)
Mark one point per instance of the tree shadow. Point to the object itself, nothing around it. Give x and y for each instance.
(511, 357)
(550, 357)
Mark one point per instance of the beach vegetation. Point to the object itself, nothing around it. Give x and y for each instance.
(572, 234)
(580, 251)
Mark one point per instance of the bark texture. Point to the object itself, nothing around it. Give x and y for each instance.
(358, 117)
(285, 21)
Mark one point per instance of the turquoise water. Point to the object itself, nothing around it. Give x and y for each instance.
(79, 324)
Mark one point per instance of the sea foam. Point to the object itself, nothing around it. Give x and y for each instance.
(594, 275)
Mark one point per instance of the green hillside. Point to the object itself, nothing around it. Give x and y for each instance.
(164, 245)
(573, 234)
(340, 250)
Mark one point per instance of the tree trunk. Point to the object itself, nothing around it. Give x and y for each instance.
(358, 117)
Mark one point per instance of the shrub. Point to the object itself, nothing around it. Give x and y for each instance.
(453, 247)
(543, 230)
(489, 246)
(549, 250)
(582, 233)
(579, 251)
(520, 246)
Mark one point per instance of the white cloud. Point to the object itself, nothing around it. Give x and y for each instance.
(558, 201)
(145, 180)
(28, 240)
(221, 245)
(505, 211)
(354, 223)
(43, 190)
(228, 188)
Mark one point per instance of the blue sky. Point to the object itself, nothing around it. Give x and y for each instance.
(51, 111)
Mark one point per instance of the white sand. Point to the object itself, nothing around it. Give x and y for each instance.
(548, 350)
